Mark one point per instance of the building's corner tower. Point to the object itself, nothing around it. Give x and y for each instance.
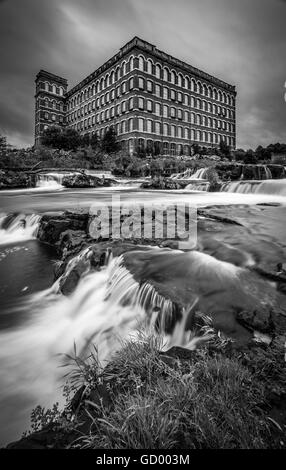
(50, 102)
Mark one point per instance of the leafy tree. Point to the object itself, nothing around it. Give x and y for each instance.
(239, 155)
(85, 140)
(70, 139)
(196, 149)
(224, 149)
(250, 157)
(51, 137)
(56, 137)
(109, 143)
(3, 143)
(94, 142)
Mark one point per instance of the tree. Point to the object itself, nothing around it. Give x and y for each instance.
(196, 149)
(224, 149)
(94, 142)
(85, 140)
(109, 143)
(51, 137)
(70, 139)
(3, 143)
(56, 137)
(250, 157)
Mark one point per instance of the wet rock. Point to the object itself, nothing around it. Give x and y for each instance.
(52, 226)
(15, 180)
(81, 180)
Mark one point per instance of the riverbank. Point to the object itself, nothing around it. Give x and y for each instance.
(247, 236)
(213, 398)
(222, 395)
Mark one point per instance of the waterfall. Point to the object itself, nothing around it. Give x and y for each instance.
(107, 307)
(199, 174)
(187, 175)
(268, 187)
(268, 174)
(18, 227)
(50, 180)
(203, 186)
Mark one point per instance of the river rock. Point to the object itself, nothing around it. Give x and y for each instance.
(81, 180)
(15, 180)
(51, 226)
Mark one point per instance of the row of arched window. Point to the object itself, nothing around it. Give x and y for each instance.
(177, 78)
(52, 104)
(52, 88)
(155, 127)
(151, 107)
(158, 71)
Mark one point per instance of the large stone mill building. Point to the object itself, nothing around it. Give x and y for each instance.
(152, 99)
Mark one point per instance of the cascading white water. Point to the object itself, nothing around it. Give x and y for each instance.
(50, 180)
(199, 174)
(19, 227)
(187, 175)
(107, 306)
(268, 174)
(270, 187)
(204, 186)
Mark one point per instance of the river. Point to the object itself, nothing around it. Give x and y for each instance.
(35, 325)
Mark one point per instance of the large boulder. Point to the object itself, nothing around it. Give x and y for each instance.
(15, 180)
(81, 180)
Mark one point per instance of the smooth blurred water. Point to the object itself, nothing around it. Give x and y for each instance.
(35, 325)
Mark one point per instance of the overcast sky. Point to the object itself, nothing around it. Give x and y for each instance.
(240, 41)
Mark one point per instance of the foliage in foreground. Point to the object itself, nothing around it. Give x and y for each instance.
(212, 400)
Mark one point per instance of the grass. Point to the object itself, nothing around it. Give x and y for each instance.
(214, 399)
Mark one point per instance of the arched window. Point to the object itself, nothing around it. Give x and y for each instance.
(149, 67)
(158, 71)
(173, 77)
(192, 134)
(123, 106)
(192, 118)
(149, 106)
(186, 133)
(165, 129)
(131, 63)
(165, 74)
(180, 80)
(149, 125)
(141, 124)
(173, 131)
(180, 132)
(193, 85)
(140, 103)
(157, 109)
(157, 128)
(130, 125)
(123, 127)
(165, 111)
(141, 63)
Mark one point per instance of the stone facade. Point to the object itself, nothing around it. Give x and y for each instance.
(152, 99)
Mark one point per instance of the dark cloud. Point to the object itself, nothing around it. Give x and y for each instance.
(241, 42)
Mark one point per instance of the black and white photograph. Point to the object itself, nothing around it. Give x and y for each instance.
(143, 227)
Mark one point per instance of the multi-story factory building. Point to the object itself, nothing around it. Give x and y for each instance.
(152, 99)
